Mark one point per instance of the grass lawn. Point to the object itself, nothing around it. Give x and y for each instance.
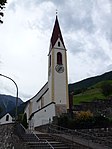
(88, 96)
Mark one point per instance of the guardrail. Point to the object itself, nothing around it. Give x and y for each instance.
(76, 133)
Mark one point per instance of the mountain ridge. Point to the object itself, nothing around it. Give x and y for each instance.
(88, 82)
(7, 103)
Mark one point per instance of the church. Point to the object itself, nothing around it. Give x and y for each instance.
(52, 99)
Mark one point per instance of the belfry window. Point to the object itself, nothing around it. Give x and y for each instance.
(59, 58)
(58, 44)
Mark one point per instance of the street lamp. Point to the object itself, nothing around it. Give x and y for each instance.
(16, 93)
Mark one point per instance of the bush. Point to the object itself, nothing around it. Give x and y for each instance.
(84, 120)
(83, 115)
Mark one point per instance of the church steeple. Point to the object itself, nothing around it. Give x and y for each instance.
(56, 34)
(57, 71)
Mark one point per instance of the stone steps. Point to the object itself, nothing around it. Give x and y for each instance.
(38, 145)
(44, 142)
(53, 142)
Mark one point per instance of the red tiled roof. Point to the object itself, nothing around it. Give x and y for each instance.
(56, 34)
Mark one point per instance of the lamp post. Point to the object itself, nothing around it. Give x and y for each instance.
(16, 93)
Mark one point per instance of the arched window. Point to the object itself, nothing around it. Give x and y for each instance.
(59, 58)
(7, 117)
(58, 44)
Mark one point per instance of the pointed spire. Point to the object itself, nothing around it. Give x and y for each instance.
(56, 33)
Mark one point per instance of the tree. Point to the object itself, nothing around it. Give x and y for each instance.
(106, 89)
(2, 6)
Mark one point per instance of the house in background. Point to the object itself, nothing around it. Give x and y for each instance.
(52, 99)
(5, 119)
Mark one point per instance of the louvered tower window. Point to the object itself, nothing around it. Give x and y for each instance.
(59, 58)
(58, 44)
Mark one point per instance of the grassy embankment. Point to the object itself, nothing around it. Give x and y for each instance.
(91, 94)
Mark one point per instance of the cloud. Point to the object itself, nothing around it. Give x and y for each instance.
(0, 60)
(26, 32)
(7, 86)
(25, 96)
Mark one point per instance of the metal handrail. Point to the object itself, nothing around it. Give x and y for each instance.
(21, 130)
(23, 127)
(44, 140)
(35, 135)
(49, 144)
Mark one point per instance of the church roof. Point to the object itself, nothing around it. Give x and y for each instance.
(56, 33)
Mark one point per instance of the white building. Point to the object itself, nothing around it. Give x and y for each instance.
(7, 118)
(52, 100)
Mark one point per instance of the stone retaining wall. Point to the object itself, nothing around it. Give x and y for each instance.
(99, 106)
(8, 140)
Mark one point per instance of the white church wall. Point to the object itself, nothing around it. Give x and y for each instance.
(27, 111)
(50, 75)
(60, 81)
(38, 104)
(46, 98)
(36, 99)
(50, 87)
(35, 103)
(44, 116)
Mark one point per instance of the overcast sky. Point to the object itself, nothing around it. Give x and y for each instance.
(86, 27)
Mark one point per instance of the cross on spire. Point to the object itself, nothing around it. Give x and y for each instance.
(56, 12)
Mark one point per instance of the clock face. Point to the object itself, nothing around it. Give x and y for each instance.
(59, 68)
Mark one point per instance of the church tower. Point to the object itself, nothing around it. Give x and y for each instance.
(57, 71)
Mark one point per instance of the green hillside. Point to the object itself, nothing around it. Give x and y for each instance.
(87, 96)
(90, 94)
(90, 89)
